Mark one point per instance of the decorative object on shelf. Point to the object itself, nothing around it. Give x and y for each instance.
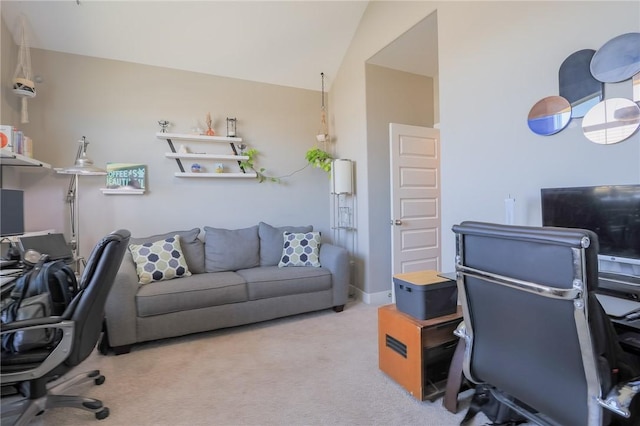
(23, 86)
(6, 137)
(231, 127)
(83, 166)
(219, 168)
(183, 149)
(319, 158)
(323, 133)
(163, 125)
(209, 122)
(196, 168)
(125, 178)
(241, 146)
(196, 129)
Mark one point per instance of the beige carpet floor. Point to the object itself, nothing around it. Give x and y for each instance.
(313, 369)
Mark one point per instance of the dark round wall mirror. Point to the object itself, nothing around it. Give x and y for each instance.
(576, 83)
(611, 121)
(549, 115)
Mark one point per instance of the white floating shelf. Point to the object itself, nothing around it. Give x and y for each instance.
(195, 156)
(110, 191)
(188, 137)
(215, 175)
(10, 158)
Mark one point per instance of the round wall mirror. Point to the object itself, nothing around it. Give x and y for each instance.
(549, 115)
(611, 121)
(618, 59)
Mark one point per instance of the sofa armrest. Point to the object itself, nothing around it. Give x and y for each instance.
(120, 310)
(336, 259)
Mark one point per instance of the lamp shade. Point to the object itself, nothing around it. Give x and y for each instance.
(342, 177)
(83, 165)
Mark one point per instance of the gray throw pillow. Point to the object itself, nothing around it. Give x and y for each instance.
(192, 247)
(230, 250)
(271, 241)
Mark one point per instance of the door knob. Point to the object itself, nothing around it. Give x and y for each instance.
(396, 222)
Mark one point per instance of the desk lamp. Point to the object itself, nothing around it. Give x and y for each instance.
(83, 166)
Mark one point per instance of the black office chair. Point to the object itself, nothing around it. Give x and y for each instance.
(534, 330)
(32, 372)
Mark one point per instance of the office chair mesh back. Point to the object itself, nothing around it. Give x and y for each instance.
(525, 344)
(95, 284)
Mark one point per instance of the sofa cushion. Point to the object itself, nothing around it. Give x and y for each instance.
(271, 281)
(230, 250)
(300, 249)
(192, 247)
(271, 241)
(159, 261)
(195, 292)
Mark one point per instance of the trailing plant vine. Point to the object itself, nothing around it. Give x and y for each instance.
(249, 163)
(315, 157)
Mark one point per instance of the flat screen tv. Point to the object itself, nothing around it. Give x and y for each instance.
(612, 212)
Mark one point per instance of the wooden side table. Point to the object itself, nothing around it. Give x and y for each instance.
(416, 353)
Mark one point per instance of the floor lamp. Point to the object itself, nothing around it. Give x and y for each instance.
(83, 166)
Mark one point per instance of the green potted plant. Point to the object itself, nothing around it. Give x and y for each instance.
(319, 158)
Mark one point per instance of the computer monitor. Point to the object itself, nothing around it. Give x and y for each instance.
(613, 213)
(11, 212)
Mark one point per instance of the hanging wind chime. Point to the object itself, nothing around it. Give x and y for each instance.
(323, 133)
(22, 84)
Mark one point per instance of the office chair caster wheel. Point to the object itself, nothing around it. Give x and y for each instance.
(102, 414)
(99, 380)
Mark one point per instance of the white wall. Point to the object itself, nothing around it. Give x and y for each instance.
(116, 105)
(494, 68)
(496, 59)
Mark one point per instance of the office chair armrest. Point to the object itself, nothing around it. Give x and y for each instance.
(620, 396)
(461, 330)
(55, 357)
(17, 325)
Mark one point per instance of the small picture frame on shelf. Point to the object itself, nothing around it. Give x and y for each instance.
(231, 127)
(125, 178)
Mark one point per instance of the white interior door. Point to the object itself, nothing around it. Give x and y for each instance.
(415, 199)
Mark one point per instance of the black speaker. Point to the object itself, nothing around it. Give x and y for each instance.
(11, 212)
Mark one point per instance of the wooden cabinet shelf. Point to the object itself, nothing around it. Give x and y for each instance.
(199, 156)
(417, 353)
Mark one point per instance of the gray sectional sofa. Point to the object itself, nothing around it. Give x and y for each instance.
(233, 278)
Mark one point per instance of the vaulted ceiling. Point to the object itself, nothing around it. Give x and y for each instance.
(287, 43)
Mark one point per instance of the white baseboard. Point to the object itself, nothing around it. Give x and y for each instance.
(379, 298)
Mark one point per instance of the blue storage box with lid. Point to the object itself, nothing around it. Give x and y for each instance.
(425, 295)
